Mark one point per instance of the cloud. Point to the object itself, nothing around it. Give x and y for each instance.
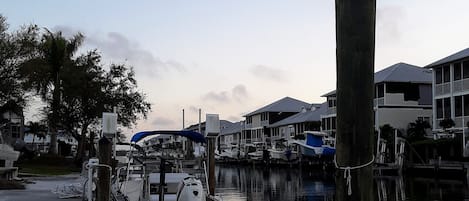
(234, 118)
(118, 48)
(221, 97)
(240, 93)
(162, 121)
(388, 21)
(269, 73)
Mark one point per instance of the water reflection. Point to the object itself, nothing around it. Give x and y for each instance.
(264, 183)
(247, 183)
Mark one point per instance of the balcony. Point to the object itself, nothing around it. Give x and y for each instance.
(444, 88)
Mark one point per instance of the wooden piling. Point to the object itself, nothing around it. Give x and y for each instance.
(355, 39)
(104, 179)
(211, 165)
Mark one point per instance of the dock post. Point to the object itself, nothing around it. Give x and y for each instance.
(212, 130)
(355, 39)
(104, 180)
(211, 165)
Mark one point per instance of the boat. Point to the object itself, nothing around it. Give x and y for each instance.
(283, 152)
(316, 144)
(258, 154)
(176, 185)
(228, 152)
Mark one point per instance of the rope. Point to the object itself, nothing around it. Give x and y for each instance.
(347, 172)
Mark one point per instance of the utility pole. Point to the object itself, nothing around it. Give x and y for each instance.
(355, 38)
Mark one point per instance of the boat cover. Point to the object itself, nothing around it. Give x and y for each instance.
(191, 135)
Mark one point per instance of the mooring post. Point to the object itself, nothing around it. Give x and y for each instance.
(211, 165)
(212, 130)
(355, 39)
(104, 179)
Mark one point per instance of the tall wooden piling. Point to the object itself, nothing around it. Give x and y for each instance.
(105, 151)
(211, 165)
(355, 38)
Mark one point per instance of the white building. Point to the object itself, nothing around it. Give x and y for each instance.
(258, 121)
(451, 90)
(403, 94)
(42, 144)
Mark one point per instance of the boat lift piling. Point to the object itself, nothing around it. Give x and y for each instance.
(212, 131)
(355, 39)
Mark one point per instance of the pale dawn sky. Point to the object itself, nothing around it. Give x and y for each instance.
(231, 57)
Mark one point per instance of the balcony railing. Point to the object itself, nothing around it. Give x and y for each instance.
(444, 88)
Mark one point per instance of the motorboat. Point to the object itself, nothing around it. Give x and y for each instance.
(282, 150)
(316, 144)
(258, 153)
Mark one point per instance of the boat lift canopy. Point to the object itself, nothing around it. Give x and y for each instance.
(191, 135)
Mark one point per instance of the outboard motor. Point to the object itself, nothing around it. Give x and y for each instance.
(190, 189)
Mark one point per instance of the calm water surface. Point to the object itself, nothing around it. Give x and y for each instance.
(247, 183)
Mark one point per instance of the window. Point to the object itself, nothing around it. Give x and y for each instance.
(248, 120)
(439, 108)
(328, 124)
(323, 124)
(446, 74)
(447, 108)
(333, 122)
(458, 106)
(331, 101)
(457, 71)
(380, 90)
(438, 75)
(466, 105)
(465, 68)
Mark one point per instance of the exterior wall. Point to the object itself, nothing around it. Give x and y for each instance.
(457, 86)
(390, 108)
(401, 117)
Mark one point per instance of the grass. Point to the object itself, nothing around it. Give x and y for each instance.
(48, 165)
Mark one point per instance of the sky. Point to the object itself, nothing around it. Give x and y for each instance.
(233, 57)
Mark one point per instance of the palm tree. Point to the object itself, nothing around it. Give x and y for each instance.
(417, 130)
(36, 129)
(42, 73)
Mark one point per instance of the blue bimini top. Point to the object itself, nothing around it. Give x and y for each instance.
(191, 135)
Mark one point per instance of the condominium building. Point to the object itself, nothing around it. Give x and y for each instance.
(403, 94)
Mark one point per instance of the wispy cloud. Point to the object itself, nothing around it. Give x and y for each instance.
(388, 21)
(239, 93)
(119, 48)
(234, 118)
(269, 73)
(162, 121)
(221, 97)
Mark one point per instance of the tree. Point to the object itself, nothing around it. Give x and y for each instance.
(15, 48)
(446, 123)
(89, 90)
(43, 74)
(36, 129)
(417, 130)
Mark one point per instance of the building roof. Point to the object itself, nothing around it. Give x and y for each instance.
(286, 104)
(304, 116)
(232, 128)
(400, 72)
(456, 56)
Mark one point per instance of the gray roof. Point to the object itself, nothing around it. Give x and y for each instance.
(307, 116)
(400, 72)
(232, 128)
(286, 104)
(456, 56)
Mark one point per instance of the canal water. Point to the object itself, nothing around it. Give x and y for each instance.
(248, 183)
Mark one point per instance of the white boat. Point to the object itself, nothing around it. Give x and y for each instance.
(284, 153)
(178, 187)
(316, 144)
(231, 152)
(258, 153)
